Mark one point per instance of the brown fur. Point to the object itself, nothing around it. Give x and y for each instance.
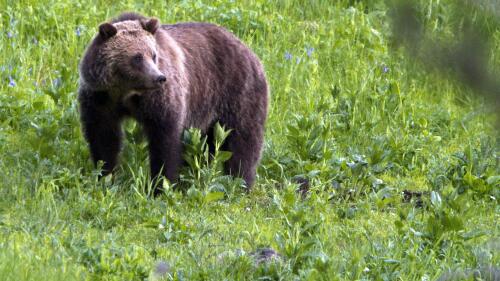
(210, 77)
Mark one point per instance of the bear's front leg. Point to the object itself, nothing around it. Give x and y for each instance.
(101, 128)
(165, 150)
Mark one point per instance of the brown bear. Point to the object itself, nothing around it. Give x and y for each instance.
(169, 78)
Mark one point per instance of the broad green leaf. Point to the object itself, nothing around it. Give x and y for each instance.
(223, 156)
(214, 196)
(436, 199)
(493, 180)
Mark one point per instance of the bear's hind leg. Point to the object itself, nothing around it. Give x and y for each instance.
(246, 148)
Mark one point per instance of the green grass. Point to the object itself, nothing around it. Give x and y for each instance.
(349, 112)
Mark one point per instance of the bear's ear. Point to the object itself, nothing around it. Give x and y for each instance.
(151, 25)
(107, 30)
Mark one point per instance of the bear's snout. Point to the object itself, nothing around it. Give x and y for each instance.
(160, 79)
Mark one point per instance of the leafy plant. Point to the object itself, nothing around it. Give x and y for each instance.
(204, 177)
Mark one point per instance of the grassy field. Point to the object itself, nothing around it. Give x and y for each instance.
(373, 168)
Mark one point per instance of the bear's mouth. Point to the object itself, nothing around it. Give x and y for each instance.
(147, 88)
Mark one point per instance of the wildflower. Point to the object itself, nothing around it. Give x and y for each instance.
(78, 31)
(57, 82)
(12, 83)
(309, 51)
(162, 268)
(385, 69)
(288, 56)
(10, 34)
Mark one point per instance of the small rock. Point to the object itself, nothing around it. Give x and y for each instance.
(303, 185)
(265, 255)
(409, 195)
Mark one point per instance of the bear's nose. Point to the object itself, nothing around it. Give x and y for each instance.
(160, 79)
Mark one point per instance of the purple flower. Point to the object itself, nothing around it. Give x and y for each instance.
(310, 50)
(288, 56)
(9, 34)
(12, 83)
(78, 31)
(57, 82)
(385, 69)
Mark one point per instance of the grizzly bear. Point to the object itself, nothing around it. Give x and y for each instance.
(169, 78)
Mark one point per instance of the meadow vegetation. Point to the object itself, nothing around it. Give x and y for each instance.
(373, 167)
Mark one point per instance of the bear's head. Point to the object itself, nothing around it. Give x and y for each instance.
(124, 56)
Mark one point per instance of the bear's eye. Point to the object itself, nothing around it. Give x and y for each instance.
(137, 59)
(154, 58)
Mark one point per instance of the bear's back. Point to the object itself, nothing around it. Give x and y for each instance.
(211, 46)
(221, 70)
